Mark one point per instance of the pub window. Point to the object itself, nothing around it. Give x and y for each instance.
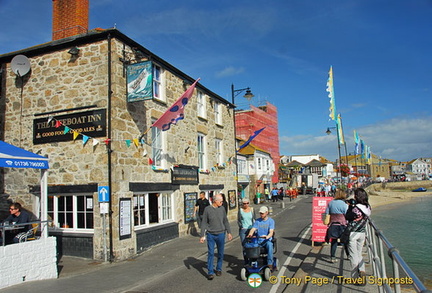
(201, 105)
(158, 83)
(201, 151)
(259, 163)
(157, 145)
(152, 208)
(217, 112)
(218, 148)
(71, 212)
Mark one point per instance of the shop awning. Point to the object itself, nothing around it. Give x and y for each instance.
(15, 157)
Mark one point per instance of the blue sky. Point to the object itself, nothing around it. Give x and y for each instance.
(380, 50)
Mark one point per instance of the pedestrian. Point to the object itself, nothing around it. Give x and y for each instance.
(357, 215)
(267, 194)
(274, 194)
(264, 226)
(336, 209)
(224, 203)
(281, 193)
(245, 219)
(214, 226)
(201, 203)
(303, 188)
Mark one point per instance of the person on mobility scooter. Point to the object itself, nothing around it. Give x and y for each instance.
(260, 242)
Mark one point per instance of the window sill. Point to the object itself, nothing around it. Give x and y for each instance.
(160, 101)
(159, 169)
(202, 118)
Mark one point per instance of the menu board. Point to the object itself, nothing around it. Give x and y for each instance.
(319, 230)
(232, 199)
(190, 199)
(125, 218)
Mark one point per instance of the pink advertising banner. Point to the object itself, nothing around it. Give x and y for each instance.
(319, 230)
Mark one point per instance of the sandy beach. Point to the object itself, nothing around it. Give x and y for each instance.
(396, 192)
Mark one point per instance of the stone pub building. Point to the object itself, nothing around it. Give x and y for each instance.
(116, 186)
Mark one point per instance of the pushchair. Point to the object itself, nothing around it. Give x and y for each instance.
(256, 258)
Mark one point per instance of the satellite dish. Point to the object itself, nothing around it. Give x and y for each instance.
(20, 65)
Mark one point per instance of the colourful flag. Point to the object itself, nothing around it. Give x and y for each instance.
(175, 112)
(250, 138)
(340, 130)
(357, 143)
(331, 95)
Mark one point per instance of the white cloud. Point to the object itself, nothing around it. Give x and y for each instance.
(400, 139)
(229, 71)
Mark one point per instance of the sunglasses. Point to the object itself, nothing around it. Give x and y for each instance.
(245, 203)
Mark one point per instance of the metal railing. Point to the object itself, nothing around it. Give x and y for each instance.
(378, 247)
(42, 229)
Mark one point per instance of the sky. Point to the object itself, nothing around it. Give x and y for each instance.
(380, 51)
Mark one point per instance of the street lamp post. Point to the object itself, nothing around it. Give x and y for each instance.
(248, 95)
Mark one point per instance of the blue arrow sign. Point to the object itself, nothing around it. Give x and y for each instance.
(103, 192)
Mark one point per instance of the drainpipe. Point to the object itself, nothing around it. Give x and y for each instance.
(109, 151)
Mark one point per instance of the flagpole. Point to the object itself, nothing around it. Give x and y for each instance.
(341, 126)
(339, 152)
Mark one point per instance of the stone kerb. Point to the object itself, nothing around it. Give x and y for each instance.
(28, 261)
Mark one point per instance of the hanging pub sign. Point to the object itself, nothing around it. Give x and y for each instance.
(139, 78)
(90, 123)
(183, 174)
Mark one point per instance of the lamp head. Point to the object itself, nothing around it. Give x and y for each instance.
(74, 51)
(328, 131)
(248, 95)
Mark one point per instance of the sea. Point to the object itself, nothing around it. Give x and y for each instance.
(408, 227)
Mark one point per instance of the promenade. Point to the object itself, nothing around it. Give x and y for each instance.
(83, 275)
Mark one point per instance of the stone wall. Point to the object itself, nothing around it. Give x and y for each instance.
(58, 82)
(33, 260)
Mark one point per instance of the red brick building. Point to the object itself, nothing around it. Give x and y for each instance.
(255, 118)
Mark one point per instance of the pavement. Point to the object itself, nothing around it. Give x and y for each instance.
(78, 273)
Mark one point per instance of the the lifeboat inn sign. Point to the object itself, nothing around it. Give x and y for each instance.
(90, 123)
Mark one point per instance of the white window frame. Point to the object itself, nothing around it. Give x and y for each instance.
(141, 208)
(202, 151)
(201, 105)
(158, 147)
(54, 212)
(242, 166)
(219, 151)
(217, 112)
(158, 83)
(259, 163)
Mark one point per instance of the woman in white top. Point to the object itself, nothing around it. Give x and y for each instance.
(357, 215)
(245, 219)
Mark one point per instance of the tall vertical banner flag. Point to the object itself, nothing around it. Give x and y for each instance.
(331, 95)
(340, 130)
(356, 141)
(176, 111)
(251, 138)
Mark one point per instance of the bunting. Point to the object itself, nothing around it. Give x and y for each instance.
(85, 138)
